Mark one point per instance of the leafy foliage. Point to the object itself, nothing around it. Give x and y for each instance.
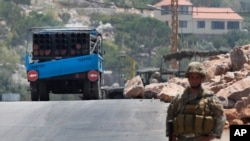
(111, 55)
(12, 13)
(135, 34)
(14, 34)
(235, 36)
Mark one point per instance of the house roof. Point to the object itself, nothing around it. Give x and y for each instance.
(215, 13)
(206, 12)
(168, 2)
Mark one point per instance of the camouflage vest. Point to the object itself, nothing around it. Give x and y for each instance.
(194, 116)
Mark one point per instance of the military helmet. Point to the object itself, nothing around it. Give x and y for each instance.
(156, 74)
(196, 67)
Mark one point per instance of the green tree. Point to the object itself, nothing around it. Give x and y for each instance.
(219, 42)
(235, 5)
(188, 41)
(111, 56)
(133, 31)
(245, 5)
(11, 13)
(233, 36)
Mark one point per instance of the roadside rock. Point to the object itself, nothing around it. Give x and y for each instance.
(134, 88)
(218, 65)
(235, 92)
(153, 89)
(243, 108)
(169, 92)
(228, 77)
(239, 56)
(231, 115)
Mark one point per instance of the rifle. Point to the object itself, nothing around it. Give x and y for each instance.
(170, 129)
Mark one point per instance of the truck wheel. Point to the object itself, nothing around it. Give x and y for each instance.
(34, 91)
(43, 92)
(34, 96)
(86, 90)
(96, 89)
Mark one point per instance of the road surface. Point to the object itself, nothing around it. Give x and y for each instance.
(93, 120)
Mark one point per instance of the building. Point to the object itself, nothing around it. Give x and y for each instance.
(199, 20)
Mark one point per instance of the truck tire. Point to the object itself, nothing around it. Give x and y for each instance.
(43, 92)
(86, 90)
(96, 89)
(34, 96)
(34, 91)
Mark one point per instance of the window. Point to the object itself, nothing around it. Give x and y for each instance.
(165, 10)
(218, 25)
(233, 25)
(183, 10)
(183, 24)
(201, 24)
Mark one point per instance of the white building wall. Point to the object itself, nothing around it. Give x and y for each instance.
(192, 24)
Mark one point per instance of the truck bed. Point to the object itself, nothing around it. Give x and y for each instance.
(59, 67)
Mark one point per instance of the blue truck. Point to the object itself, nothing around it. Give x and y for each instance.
(64, 60)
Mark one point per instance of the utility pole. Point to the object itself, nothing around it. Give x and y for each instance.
(173, 64)
(174, 33)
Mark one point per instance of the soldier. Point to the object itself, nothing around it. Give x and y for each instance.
(156, 77)
(197, 114)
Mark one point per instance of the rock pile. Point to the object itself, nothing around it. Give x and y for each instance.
(228, 77)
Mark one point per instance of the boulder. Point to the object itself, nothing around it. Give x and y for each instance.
(153, 89)
(243, 108)
(239, 56)
(217, 66)
(231, 114)
(235, 92)
(169, 91)
(134, 88)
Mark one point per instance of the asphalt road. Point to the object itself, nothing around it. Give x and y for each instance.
(100, 120)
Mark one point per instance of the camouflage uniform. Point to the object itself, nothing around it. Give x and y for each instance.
(154, 81)
(214, 104)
